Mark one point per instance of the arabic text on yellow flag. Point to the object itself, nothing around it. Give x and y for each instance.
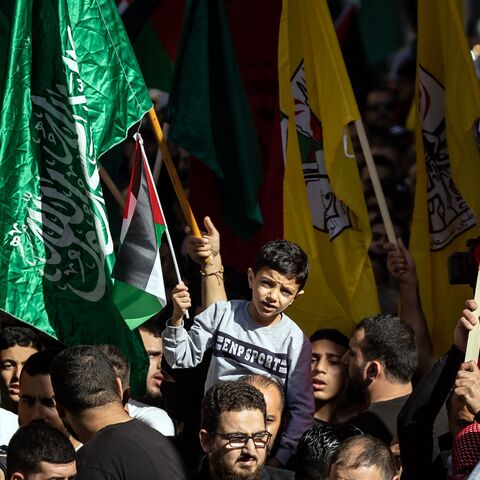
(447, 198)
(324, 207)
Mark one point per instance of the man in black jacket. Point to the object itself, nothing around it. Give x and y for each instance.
(116, 447)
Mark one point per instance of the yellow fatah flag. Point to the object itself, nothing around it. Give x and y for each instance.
(447, 199)
(324, 207)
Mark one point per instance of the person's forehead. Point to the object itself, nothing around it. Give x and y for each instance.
(245, 421)
(327, 347)
(379, 95)
(57, 469)
(360, 473)
(357, 338)
(38, 385)
(150, 341)
(273, 398)
(17, 352)
(277, 276)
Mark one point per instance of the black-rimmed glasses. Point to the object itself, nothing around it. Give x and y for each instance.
(239, 440)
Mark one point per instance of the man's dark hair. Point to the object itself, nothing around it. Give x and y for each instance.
(265, 382)
(119, 362)
(365, 451)
(22, 336)
(391, 341)
(316, 448)
(331, 334)
(284, 257)
(230, 396)
(35, 443)
(40, 363)
(83, 378)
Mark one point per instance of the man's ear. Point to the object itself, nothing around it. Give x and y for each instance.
(250, 276)
(205, 441)
(17, 476)
(119, 387)
(373, 370)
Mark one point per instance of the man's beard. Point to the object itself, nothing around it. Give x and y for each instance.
(356, 389)
(222, 471)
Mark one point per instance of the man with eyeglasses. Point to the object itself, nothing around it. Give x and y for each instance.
(233, 434)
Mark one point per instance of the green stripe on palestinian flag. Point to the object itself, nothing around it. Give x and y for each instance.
(139, 291)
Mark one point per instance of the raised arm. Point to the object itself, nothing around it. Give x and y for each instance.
(415, 420)
(401, 266)
(206, 252)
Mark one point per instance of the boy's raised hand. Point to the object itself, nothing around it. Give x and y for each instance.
(181, 303)
(466, 323)
(206, 248)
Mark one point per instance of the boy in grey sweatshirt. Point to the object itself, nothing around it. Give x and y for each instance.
(254, 337)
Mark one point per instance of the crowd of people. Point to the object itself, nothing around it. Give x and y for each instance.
(242, 393)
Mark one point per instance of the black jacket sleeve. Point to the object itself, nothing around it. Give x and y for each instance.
(416, 419)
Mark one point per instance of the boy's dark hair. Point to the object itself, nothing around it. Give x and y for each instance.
(22, 336)
(119, 362)
(230, 396)
(35, 443)
(83, 378)
(316, 448)
(365, 451)
(390, 340)
(263, 381)
(331, 334)
(40, 363)
(284, 257)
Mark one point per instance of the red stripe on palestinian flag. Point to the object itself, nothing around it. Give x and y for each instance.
(131, 203)
(158, 219)
(139, 291)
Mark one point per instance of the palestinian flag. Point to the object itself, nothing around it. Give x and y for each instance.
(139, 292)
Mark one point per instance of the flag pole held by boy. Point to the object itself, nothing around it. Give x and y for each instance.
(139, 290)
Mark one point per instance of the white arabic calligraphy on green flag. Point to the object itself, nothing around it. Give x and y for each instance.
(70, 88)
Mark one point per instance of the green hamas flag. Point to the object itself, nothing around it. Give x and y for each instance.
(69, 89)
(210, 115)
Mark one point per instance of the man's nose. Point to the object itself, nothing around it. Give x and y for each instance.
(17, 370)
(250, 447)
(38, 412)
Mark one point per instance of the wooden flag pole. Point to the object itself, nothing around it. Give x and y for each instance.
(473, 342)
(159, 159)
(167, 160)
(377, 186)
(107, 180)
